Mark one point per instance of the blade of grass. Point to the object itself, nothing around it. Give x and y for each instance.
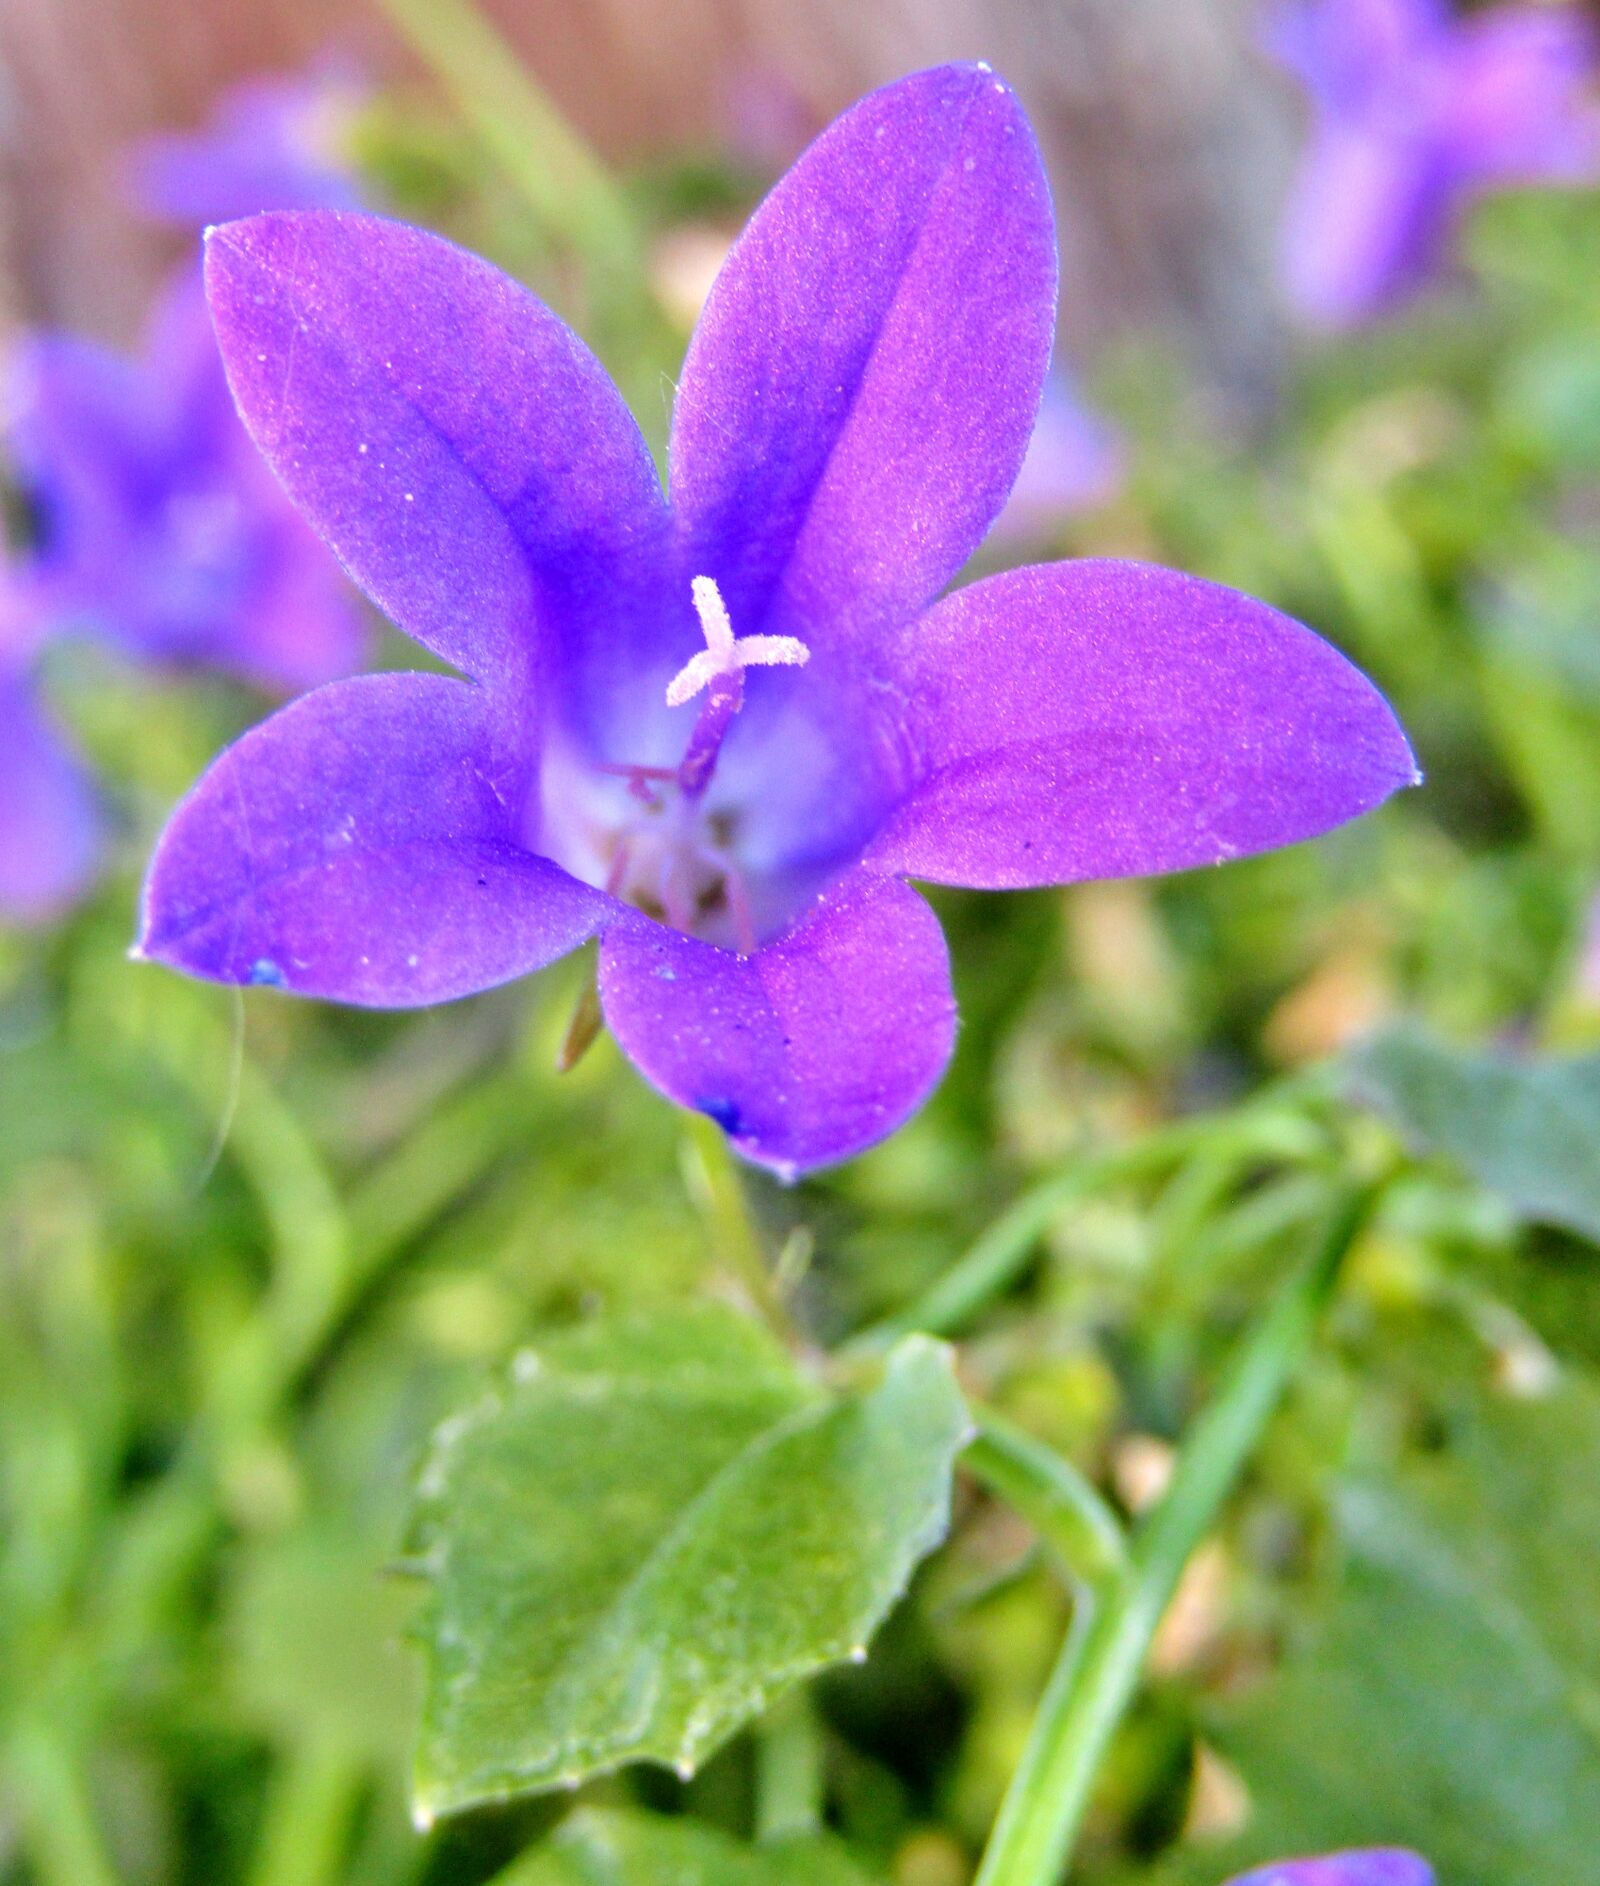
(1099, 1669)
(565, 184)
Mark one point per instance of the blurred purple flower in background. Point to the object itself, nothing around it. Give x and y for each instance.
(852, 414)
(1073, 462)
(768, 121)
(159, 528)
(272, 144)
(1389, 1866)
(49, 812)
(1415, 112)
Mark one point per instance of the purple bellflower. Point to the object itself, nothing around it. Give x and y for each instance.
(722, 732)
(272, 144)
(1417, 111)
(49, 811)
(1072, 463)
(1388, 1866)
(160, 530)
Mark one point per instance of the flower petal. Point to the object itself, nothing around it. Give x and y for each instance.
(50, 824)
(363, 845)
(302, 624)
(1367, 220)
(162, 529)
(860, 390)
(1104, 719)
(81, 426)
(805, 1053)
(1386, 1866)
(456, 444)
(270, 145)
(1520, 108)
(1347, 51)
(1073, 462)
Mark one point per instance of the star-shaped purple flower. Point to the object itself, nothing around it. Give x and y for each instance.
(1388, 1866)
(50, 823)
(720, 734)
(1416, 111)
(271, 144)
(160, 529)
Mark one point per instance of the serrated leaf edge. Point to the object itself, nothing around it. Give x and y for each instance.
(592, 1761)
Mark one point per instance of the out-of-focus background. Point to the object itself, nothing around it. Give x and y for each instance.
(1330, 331)
(1170, 140)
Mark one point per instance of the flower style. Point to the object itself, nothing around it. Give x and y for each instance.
(1388, 1866)
(160, 529)
(1417, 111)
(853, 410)
(49, 812)
(272, 144)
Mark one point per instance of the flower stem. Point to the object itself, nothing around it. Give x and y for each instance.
(1098, 1670)
(789, 1772)
(1052, 1495)
(717, 1188)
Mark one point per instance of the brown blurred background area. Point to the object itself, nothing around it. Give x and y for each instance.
(1168, 136)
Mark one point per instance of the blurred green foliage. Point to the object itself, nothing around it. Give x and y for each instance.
(251, 1253)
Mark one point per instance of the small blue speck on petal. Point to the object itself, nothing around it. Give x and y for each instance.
(726, 1113)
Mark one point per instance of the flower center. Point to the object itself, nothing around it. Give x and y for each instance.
(719, 669)
(670, 854)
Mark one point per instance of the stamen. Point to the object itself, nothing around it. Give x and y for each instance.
(676, 900)
(614, 771)
(723, 657)
(617, 870)
(737, 893)
(642, 780)
(664, 847)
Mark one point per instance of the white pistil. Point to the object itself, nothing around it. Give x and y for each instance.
(723, 656)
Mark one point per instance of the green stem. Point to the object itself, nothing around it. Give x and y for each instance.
(717, 1187)
(1052, 1495)
(315, 1792)
(789, 1774)
(1098, 1671)
(59, 1834)
(992, 1264)
(521, 128)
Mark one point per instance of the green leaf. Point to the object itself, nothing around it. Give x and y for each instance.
(1449, 1697)
(618, 1848)
(658, 1525)
(1526, 1129)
